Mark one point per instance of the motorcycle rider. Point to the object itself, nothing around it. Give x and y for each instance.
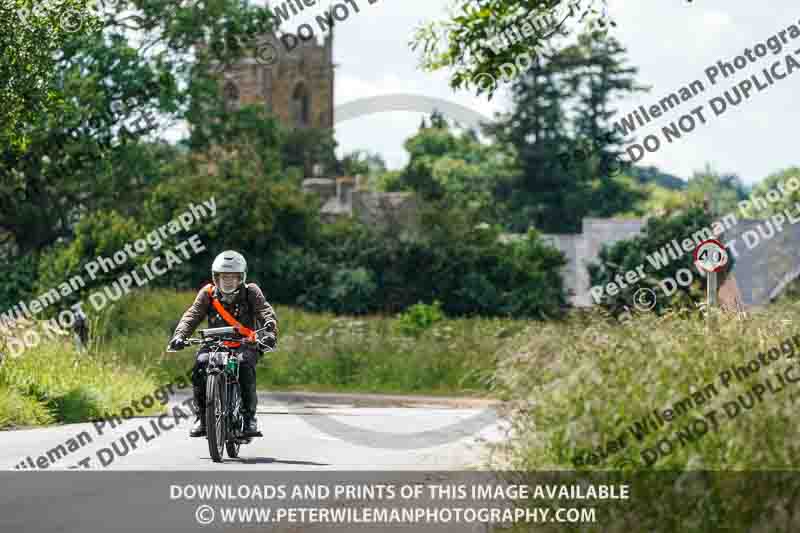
(229, 302)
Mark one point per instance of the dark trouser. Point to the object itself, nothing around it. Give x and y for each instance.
(247, 379)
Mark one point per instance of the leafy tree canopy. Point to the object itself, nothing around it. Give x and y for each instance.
(462, 43)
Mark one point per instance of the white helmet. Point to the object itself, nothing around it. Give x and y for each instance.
(234, 264)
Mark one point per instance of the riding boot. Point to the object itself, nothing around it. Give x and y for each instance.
(199, 427)
(247, 380)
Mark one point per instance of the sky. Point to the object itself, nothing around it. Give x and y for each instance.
(671, 42)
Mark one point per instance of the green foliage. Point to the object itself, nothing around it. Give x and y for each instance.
(575, 387)
(453, 167)
(352, 290)
(561, 128)
(628, 254)
(461, 43)
(18, 280)
(456, 261)
(363, 163)
(19, 410)
(320, 350)
(97, 234)
(581, 383)
(419, 318)
(652, 175)
(105, 91)
(258, 216)
(31, 34)
(73, 387)
(787, 201)
(726, 191)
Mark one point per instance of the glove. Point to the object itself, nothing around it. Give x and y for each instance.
(267, 342)
(177, 343)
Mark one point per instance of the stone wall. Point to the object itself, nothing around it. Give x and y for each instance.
(584, 248)
(344, 197)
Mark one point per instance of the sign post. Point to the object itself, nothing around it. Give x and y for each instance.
(711, 257)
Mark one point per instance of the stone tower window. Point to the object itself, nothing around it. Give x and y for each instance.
(301, 106)
(231, 95)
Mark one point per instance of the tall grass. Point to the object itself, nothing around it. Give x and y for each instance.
(55, 383)
(578, 385)
(322, 351)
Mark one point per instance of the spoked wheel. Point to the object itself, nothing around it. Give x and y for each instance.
(232, 446)
(215, 416)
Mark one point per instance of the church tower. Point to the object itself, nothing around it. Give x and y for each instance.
(291, 78)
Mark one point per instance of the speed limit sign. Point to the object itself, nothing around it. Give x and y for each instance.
(710, 256)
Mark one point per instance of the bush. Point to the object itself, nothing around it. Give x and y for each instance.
(419, 318)
(19, 410)
(98, 234)
(627, 255)
(352, 290)
(462, 266)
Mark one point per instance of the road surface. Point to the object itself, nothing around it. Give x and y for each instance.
(302, 432)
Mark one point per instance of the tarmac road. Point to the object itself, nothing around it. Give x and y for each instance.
(124, 476)
(302, 432)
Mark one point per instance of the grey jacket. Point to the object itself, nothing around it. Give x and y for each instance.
(250, 308)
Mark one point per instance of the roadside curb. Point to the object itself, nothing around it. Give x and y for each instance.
(367, 400)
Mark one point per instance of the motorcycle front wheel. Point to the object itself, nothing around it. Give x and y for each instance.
(233, 446)
(215, 415)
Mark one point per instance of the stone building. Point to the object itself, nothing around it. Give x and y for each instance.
(297, 87)
(583, 248)
(344, 196)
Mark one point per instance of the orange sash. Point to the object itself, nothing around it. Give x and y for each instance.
(227, 317)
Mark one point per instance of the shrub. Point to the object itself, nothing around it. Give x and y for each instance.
(419, 318)
(462, 266)
(627, 255)
(352, 290)
(97, 234)
(19, 410)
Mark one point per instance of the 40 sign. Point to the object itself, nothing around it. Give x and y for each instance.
(710, 256)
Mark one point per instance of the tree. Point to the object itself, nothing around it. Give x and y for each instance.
(106, 91)
(725, 190)
(363, 163)
(561, 128)
(454, 168)
(627, 255)
(599, 66)
(546, 193)
(789, 200)
(31, 34)
(464, 42)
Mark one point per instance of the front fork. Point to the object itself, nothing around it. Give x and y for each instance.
(234, 394)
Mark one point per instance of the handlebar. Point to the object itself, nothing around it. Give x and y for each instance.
(211, 341)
